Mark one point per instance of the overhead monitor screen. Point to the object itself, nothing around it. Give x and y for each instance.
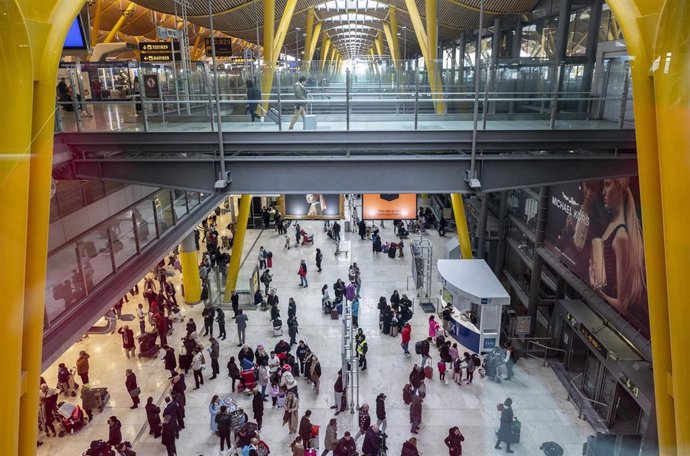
(75, 38)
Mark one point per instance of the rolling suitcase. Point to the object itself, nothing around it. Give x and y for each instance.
(184, 361)
(515, 431)
(272, 114)
(391, 252)
(334, 314)
(310, 122)
(428, 372)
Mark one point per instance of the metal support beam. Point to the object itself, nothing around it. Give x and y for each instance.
(237, 245)
(502, 243)
(461, 226)
(481, 226)
(120, 22)
(538, 262)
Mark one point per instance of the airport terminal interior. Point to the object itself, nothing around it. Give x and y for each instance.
(348, 227)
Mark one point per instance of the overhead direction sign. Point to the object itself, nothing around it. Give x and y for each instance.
(159, 51)
(223, 47)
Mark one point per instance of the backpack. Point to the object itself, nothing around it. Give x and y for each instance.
(407, 394)
(246, 449)
(419, 347)
(477, 361)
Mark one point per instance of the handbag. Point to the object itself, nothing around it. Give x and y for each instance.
(135, 392)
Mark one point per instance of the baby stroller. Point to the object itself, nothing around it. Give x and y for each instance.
(71, 418)
(147, 345)
(247, 381)
(307, 239)
(277, 327)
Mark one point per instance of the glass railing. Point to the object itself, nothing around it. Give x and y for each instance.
(371, 95)
(77, 268)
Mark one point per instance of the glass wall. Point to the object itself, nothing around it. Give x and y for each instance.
(76, 269)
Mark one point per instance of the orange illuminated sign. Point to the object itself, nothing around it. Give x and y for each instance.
(389, 206)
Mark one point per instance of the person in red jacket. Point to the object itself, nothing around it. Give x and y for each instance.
(406, 334)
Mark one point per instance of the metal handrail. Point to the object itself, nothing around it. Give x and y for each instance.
(583, 397)
(546, 349)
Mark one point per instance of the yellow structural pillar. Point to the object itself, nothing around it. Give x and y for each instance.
(432, 64)
(637, 19)
(389, 40)
(190, 270)
(120, 22)
(379, 43)
(31, 44)
(672, 91)
(325, 50)
(96, 22)
(273, 43)
(461, 226)
(312, 47)
(237, 245)
(311, 17)
(394, 33)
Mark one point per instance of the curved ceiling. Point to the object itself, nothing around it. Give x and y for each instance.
(242, 18)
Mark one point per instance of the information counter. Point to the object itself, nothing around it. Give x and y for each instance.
(476, 296)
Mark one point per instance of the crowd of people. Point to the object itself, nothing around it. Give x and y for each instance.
(274, 375)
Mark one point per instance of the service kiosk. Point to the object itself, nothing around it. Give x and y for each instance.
(477, 297)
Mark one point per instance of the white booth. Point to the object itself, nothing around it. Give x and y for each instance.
(477, 297)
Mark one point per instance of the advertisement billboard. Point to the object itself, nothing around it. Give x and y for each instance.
(389, 206)
(314, 206)
(594, 228)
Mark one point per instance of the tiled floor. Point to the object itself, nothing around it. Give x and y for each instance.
(539, 399)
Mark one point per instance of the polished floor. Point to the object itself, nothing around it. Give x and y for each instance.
(539, 400)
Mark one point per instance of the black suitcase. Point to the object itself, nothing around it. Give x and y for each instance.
(515, 431)
(334, 314)
(184, 361)
(272, 114)
(391, 253)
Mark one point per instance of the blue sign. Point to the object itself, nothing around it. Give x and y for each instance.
(75, 38)
(489, 343)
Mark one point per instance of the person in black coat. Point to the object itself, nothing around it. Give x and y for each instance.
(371, 446)
(258, 407)
(293, 329)
(245, 353)
(292, 308)
(505, 431)
(169, 434)
(304, 430)
(153, 416)
(181, 401)
(233, 372)
(114, 431)
(386, 318)
(220, 318)
(132, 388)
(361, 229)
(454, 441)
(381, 421)
(170, 360)
(395, 301)
(170, 411)
(235, 300)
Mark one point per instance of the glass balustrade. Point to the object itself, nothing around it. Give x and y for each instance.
(373, 94)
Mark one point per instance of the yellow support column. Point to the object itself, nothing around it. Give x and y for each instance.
(273, 43)
(394, 33)
(238, 244)
(672, 92)
(120, 22)
(96, 23)
(418, 27)
(15, 150)
(432, 64)
(311, 15)
(636, 18)
(189, 261)
(325, 49)
(379, 43)
(312, 47)
(389, 40)
(461, 225)
(269, 57)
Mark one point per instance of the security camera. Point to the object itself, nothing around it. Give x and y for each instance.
(221, 184)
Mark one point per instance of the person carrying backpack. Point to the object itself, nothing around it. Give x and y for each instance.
(422, 348)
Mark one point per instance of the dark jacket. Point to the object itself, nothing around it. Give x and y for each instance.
(416, 408)
(248, 354)
(169, 433)
(127, 337)
(153, 416)
(504, 432)
(170, 410)
(416, 377)
(233, 370)
(345, 447)
(258, 405)
(131, 382)
(169, 359)
(371, 443)
(224, 421)
(409, 449)
(364, 420)
(380, 408)
(305, 430)
(293, 327)
(454, 444)
(115, 433)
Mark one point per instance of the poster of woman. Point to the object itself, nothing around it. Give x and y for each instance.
(316, 206)
(595, 229)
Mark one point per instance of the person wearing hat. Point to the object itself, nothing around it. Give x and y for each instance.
(504, 431)
(381, 412)
(364, 420)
